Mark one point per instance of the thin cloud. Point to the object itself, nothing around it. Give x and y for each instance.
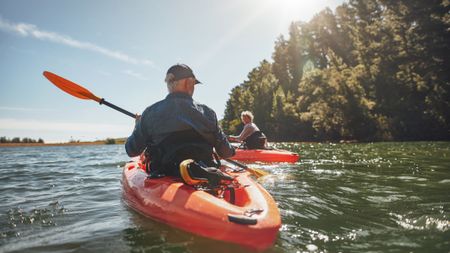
(135, 74)
(30, 30)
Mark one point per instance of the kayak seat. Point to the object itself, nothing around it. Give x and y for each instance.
(194, 173)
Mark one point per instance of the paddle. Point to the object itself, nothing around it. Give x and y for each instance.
(81, 92)
(257, 172)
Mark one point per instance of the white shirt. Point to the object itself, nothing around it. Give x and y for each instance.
(248, 130)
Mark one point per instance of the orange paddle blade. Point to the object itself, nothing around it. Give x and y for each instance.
(70, 87)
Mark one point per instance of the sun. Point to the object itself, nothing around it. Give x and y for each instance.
(294, 10)
(289, 3)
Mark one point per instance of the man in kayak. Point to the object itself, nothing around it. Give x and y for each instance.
(251, 136)
(178, 128)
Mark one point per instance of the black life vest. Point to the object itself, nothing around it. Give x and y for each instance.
(256, 140)
(166, 157)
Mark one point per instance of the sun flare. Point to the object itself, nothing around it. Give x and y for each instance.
(294, 10)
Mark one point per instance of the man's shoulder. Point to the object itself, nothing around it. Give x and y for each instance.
(198, 104)
(153, 108)
(204, 107)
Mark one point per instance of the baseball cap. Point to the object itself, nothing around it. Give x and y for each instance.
(181, 71)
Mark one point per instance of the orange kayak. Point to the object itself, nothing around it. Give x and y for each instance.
(243, 213)
(265, 155)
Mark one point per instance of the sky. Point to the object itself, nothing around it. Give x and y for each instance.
(121, 50)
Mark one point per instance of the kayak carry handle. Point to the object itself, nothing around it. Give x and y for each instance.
(241, 219)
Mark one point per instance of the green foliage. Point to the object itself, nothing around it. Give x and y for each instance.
(372, 70)
(3, 139)
(109, 141)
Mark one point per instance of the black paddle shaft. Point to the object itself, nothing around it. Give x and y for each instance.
(115, 107)
(237, 163)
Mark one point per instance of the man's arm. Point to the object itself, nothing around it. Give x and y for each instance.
(223, 146)
(220, 141)
(136, 142)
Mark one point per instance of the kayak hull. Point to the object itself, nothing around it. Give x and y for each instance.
(170, 201)
(265, 155)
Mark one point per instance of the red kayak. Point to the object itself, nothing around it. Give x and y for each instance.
(265, 155)
(242, 212)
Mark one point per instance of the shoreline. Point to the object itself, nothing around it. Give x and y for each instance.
(81, 143)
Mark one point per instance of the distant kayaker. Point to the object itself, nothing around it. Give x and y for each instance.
(251, 136)
(178, 128)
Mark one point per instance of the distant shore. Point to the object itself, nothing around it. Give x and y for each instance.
(75, 143)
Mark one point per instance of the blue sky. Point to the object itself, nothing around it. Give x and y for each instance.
(120, 50)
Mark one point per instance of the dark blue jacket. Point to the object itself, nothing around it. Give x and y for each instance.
(177, 112)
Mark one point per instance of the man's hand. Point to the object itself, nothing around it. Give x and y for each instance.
(137, 118)
(232, 139)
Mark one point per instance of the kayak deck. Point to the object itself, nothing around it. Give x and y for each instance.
(245, 215)
(265, 155)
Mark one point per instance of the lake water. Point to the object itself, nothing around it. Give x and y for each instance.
(380, 197)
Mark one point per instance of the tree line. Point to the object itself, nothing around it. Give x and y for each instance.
(371, 70)
(4, 139)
